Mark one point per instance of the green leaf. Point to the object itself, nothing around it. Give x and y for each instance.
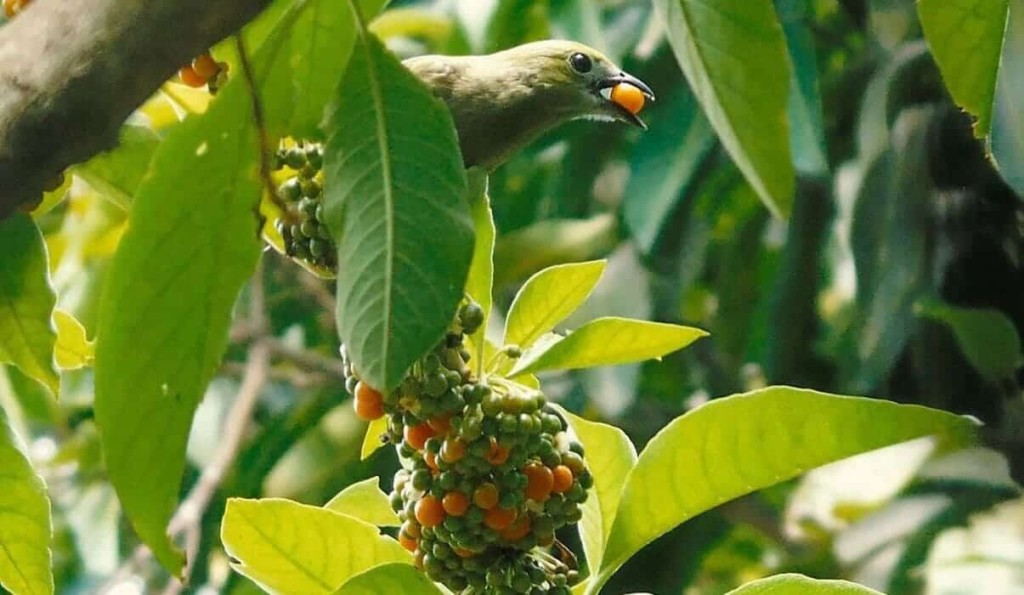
(664, 166)
(736, 445)
(117, 174)
(26, 302)
(607, 341)
(390, 578)
(395, 203)
(73, 349)
(733, 54)
(986, 337)
(302, 60)
(520, 253)
(365, 501)
(163, 322)
(807, 127)
(25, 560)
(547, 298)
(287, 547)
(480, 283)
(798, 584)
(610, 457)
(966, 39)
(371, 441)
(1007, 140)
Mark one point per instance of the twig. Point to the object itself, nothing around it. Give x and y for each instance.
(307, 359)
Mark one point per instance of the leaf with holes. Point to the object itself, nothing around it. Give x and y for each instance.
(395, 203)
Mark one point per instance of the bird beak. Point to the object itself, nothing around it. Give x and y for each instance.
(605, 86)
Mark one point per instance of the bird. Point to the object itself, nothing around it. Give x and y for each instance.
(503, 101)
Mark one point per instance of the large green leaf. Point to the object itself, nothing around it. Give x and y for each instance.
(605, 342)
(117, 174)
(986, 337)
(733, 53)
(610, 457)
(25, 561)
(287, 547)
(27, 337)
(191, 244)
(1007, 139)
(966, 39)
(365, 501)
(395, 202)
(547, 298)
(736, 445)
(798, 584)
(390, 578)
(664, 166)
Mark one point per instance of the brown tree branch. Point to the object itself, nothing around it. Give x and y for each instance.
(71, 71)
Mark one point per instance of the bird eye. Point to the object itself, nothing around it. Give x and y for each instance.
(581, 63)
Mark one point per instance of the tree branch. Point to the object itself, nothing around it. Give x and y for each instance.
(71, 71)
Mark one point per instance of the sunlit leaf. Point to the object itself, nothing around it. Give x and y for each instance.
(733, 53)
(547, 298)
(798, 584)
(25, 560)
(610, 457)
(390, 578)
(26, 302)
(480, 283)
(736, 445)
(372, 441)
(395, 203)
(365, 501)
(607, 341)
(287, 547)
(966, 38)
(73, 349)
(987, 337)
(117, 174)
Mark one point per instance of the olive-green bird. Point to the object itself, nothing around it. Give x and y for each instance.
(501, 102)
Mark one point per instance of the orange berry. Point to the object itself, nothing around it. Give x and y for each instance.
(12, 7)
(205, 66)
(442, 424)
(498, 454)
(417, 436)
(628, 97)
(517, 530)
(407, 542)
(486, 496)
(562, 479)
(190, 77)
(429, 511)
(453, 450)
(540, 480)
(369, 403)
(431, 460)
(498, 518)
(455, 503)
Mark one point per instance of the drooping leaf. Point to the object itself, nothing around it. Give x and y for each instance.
(372, 439)
(733, 54)
(610, 457)
(117, 174)
(26, 302)
(73, 349)
(1007, 139)
(191, 244)
(390, 578)
(25, 560)
(966, 39)
(605, 342)
(395, 203)
(480, 283)
(287, 547)
(664, 165)
(735, 445)
(798, 584)
(547, 298)
(986, 337)
(365, 501)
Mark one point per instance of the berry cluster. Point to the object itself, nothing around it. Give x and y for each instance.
(489, 471)
(204, 71)
(304, 234)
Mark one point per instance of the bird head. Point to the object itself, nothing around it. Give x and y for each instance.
(578, 81)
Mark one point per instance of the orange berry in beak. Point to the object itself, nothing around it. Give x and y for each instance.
(628, 97)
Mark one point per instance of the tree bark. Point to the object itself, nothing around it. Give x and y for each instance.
(71, 71)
